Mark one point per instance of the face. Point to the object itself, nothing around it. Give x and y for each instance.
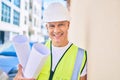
(58, 32)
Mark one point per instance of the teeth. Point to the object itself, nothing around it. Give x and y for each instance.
(58, 35)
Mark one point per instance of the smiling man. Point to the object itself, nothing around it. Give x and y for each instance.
(58, 32)
(67, 61)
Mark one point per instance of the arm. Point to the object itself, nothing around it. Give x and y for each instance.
(19, 75)
(84, 74)
(83, 77)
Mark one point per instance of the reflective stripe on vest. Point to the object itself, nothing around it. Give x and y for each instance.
(65, 69)
(79, 65)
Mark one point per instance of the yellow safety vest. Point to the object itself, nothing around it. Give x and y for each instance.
(65, 67)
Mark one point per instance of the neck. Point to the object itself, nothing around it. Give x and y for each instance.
(57, 44)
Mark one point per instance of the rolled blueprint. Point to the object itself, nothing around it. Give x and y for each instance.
(22, 47)
(37, 58)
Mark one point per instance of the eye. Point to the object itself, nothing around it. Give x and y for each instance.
(61, 24)
(51, 26)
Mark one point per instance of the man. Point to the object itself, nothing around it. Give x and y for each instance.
(67, 61)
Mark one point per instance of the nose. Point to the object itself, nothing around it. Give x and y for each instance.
(56, 29)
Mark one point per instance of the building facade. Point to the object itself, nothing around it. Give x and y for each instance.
(20, 17)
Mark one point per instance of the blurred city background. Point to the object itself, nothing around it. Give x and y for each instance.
(20, 17)
(23, 17)
(95, 26)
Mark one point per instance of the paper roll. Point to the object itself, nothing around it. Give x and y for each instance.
(37, 58)
(22, 48)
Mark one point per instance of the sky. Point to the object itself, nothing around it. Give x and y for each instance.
(47, 2)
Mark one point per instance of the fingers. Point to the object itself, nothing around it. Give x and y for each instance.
(20, 69)
(27, 79)
(24, 78)
(19, 75)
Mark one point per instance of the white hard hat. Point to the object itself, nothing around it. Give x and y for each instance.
(56, 12)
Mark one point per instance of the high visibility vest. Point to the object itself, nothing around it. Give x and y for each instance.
(69, 67)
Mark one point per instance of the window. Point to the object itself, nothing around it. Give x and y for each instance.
(25, 20)
(34, 21)
(17, 3)
(2, 34)
(30, 18)
(16, 18)
(6, 13)
(26, 5)
(9, 0)
(30, 2)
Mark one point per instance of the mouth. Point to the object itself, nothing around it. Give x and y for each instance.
(58, 36)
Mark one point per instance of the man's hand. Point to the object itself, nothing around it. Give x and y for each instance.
(83, 77)
(19, 75)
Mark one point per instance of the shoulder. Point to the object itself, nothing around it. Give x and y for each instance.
(80, 49)
(82, 53)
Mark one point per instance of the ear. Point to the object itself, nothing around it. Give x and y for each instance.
(46, 26)
(68, 24)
